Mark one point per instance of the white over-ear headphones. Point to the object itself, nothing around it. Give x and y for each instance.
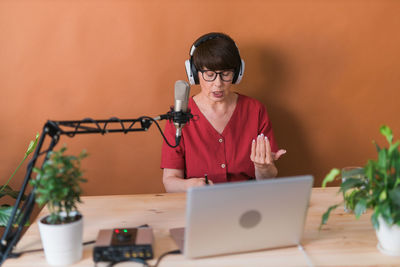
(191, 70)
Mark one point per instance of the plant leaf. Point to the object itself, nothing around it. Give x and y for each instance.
(374, 218)
(361, 207)
(369, 169)
(5, 212)
(382, 159)
(383, 195)
(384, 210)
(32, 145)
(387, 132)
(395, 196)
(330, 176)
(325, 216)
(393, 147)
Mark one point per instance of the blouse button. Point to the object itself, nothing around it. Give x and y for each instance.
(220, 140)
(222, 165)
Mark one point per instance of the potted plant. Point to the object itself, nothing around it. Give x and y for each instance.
(379, 190)
(57, 184)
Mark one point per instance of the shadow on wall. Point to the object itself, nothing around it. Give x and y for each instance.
(268, 79)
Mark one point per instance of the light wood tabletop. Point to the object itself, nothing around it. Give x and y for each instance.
(344, 241)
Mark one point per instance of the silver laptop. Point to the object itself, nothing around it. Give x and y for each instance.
(245, 216)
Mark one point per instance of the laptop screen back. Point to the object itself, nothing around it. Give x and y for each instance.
(246, 216)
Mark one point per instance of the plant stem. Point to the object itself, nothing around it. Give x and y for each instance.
(2, 188)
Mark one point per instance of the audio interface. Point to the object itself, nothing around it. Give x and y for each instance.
(123, 244)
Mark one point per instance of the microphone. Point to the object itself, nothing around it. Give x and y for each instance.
(182, 90)
(179, 114)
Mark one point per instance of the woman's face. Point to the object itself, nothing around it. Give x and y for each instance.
(217, 90)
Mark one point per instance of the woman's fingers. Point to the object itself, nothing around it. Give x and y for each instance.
(261, 151)
(253, 150)
(268, 156)
(278, 154)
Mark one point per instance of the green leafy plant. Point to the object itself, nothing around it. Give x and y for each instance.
(58, 185)
(6, 190)
(378, 189)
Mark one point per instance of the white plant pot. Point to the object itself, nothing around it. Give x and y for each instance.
(62, 243)
(389, 238)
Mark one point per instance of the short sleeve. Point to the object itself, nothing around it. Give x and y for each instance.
(172, 158)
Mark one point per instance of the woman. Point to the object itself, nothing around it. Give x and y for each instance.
(230, 138)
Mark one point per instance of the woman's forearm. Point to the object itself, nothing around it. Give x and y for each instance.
(174, 184)
(174, 181)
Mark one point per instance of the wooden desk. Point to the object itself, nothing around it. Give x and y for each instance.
(343, 242)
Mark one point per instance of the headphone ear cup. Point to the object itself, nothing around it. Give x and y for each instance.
(194, 71)
(239, 75)
(189, 72)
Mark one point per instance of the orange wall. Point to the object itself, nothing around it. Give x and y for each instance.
(328, 72)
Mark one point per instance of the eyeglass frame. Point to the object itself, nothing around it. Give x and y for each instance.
(218, 73)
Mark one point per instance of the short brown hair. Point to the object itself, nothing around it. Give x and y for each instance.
(216, 51)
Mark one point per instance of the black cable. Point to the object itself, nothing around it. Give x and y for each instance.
(16, 255)
(138, 260)
(161, 132)
(165, 254)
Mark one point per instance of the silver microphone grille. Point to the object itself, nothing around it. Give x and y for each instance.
(182, 91)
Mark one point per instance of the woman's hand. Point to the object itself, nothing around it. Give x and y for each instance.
(195, 182)
(263, 158)
(174, 181)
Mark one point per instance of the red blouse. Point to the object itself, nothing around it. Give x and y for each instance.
(223, 157)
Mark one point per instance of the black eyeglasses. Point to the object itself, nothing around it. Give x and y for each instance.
(210, 75)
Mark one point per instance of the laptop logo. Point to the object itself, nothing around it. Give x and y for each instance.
(250, 219)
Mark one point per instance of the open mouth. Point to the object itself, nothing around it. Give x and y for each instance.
(218, 94)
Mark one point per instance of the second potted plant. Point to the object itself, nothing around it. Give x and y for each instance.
(57, 184)
(378, 189)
